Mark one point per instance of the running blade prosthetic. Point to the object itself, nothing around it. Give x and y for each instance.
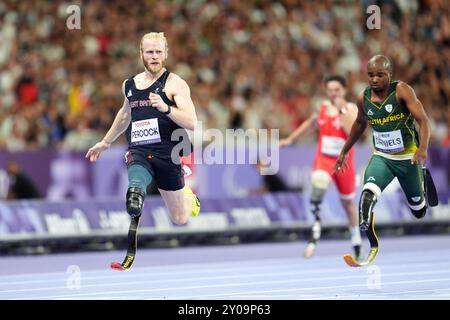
(132, 247)
(351, 261)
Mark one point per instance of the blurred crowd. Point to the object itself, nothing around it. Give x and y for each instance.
(250, 64)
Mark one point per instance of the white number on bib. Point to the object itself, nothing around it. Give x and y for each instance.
(332, 146)
(145, 132)
(388, 142)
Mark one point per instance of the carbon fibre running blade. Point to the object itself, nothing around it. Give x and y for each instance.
(125, 265)
(132, 247)
(430, 189)
(117, 266)
(374, 244)
(352, 262)
(309, 250)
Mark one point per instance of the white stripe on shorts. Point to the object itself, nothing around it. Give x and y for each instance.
(419, 206)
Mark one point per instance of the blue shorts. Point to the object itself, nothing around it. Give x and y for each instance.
(167, 175)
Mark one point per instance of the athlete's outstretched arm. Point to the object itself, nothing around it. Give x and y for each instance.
(358, 128)
(301, 129)
(406, 94)
(348, 118)
(184, 114)
(120, 124)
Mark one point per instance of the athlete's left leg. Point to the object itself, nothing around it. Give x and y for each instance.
(179, 198)
(182, 204)
(411, 179)
(376, 177)
(320, 180)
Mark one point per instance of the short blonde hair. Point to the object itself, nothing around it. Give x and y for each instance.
(155, 36)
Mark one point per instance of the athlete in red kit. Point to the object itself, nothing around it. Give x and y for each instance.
(334, 121)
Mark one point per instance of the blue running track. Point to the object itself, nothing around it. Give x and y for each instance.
(406, 268)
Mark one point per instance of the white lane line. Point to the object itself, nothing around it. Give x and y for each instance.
(219, 268)
(389, 293)
(238, 284)
(241, 272)
(318, 260)
(250, 264)
(230, 295)
(203, 269)
(237, 276)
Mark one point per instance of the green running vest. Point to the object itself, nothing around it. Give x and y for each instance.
(394, 133)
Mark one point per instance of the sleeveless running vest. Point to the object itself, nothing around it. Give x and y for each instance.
(394, 134)
(332, 135)
(150, 130)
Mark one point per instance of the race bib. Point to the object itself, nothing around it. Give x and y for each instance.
(388, 142)
(332, 146)
(145, 132)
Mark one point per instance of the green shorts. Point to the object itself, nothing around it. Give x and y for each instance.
(381, 171)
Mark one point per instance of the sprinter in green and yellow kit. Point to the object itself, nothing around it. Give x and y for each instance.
(391, 108)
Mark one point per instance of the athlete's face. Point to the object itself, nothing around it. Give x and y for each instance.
(335, 90)
(153, 54)
(379, 77)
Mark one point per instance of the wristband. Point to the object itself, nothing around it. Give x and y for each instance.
(168, 110)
